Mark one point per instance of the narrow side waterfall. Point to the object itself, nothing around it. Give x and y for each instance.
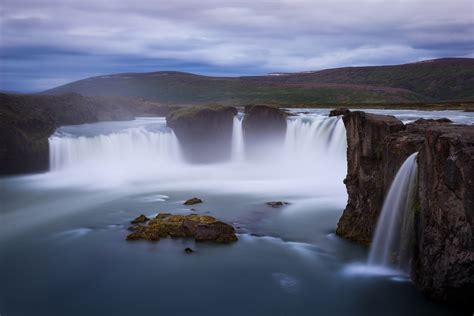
(237, 140)
(391, 245)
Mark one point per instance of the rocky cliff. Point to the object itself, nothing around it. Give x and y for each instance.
(264, 129)
(366, 180)
(26, 122)
(443, 261)
(443, 265)
(204, 132)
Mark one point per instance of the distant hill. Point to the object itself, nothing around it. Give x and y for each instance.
(447, 79)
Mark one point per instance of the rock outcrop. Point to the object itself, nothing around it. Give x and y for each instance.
(264, 129)
(443, 264)
(192, 201)
(443, 261)
(26, 122)
(201, 227)
(339, 111)
(204, 132)
(277, 204)
(366, 182)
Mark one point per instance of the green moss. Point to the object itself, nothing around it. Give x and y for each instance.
(189, 112)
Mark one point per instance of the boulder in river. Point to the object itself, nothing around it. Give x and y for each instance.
(201, 227)
(204, 132)
(193, 201)
(277, 204)
(188, 250)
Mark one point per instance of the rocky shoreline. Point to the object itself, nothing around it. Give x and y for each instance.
(443, 262)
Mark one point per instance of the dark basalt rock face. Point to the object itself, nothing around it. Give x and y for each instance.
(366, 183)
(443, 262)
(204, 132)
(339, 111)
(443, 265)
(433, 121)
(264, 129)
(26, 122)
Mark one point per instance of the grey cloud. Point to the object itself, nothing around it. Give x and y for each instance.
(225, 37)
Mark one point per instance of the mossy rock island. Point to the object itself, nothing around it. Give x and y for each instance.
(201, 227)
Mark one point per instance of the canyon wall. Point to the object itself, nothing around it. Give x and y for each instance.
(443, 262)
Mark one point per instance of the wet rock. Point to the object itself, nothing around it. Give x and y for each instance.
(433, 121)
(366, 181)
(201, 227)
(140, 219)
(443, 246)
(264, 129)
(204, 132)
(144, 233)
(188, 250)
(193, 201)
(277, 204)
(217, 231)
(339, 111)
(443, 264)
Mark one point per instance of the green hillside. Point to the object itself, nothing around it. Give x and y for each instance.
(429, 81)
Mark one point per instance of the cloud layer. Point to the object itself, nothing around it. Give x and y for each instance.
(45, 43)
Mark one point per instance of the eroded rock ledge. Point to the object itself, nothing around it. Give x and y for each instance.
(204, 132)
(264, 129)
(443, 262)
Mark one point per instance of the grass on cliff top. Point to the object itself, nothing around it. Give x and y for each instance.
(188, 112)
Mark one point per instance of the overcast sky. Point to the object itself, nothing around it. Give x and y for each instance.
(45, 43)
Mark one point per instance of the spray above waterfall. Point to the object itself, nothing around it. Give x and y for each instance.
(310, 159)
(391, 245)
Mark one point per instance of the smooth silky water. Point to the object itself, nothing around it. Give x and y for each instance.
(63, 248)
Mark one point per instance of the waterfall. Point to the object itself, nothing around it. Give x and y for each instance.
(316, 139)
(127, 148)
(237, 140)
(310, 159)
(391, 245)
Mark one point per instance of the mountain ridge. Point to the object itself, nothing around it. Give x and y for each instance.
(445, 79)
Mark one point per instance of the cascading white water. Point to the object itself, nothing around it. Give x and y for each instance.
(391, 243)
(237, 140)
(311, 159)
(138, 146)
(316, 139)
(131, 146)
